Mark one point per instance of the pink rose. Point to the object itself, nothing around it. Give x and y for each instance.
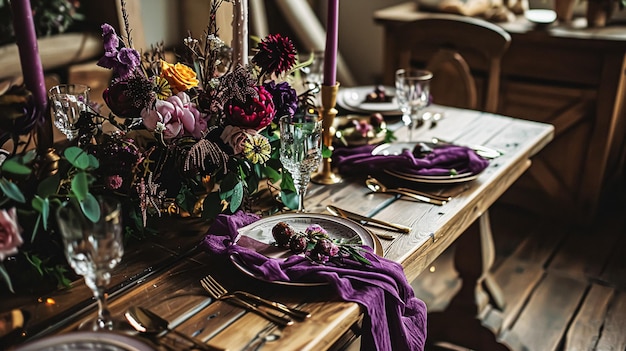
(235, 137)
(10, 237)
(175, 117)
(256, 113)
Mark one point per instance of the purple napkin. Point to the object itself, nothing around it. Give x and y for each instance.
(395, 317)
(440, 161)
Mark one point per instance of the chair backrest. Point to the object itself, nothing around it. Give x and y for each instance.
(464, 54)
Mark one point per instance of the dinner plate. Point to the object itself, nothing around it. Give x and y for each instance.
(87, 340)
(397, 148)
(337, 228)
(353, 99)
(347, 134)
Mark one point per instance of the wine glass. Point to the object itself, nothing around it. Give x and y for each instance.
(93, 248)
(412, 94)
(300, 150)
(313, 73)
(68, 102)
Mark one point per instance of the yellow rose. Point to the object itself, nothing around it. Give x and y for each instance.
(180, 76)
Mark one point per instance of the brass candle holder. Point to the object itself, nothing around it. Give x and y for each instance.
(325, 174)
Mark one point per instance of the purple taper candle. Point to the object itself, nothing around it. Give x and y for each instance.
(26, 39)
(330, 52)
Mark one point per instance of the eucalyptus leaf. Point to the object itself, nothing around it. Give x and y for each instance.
(90, 208)
(80, 186)
(272, 174)
(14, 167)
(77, 157)
(49, 186)
(93, 162)
(5, 276)
(289, 199)
(29, 156)
(236, 197)
(11, 190)
(42, 205)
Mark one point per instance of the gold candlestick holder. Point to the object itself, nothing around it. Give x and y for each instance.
(325, 174)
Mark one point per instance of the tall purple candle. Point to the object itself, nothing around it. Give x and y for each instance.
(32, 70)
(26, 39)
(330, 52)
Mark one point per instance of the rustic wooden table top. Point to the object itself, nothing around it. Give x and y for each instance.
(175, 292)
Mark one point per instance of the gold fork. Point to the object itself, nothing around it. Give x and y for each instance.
(218, 292)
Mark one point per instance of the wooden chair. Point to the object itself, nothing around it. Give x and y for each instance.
(463, 53)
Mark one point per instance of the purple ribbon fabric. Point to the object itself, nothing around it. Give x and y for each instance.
(395, 317)
(440, 161)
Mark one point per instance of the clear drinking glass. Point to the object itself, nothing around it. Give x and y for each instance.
(68, 102)
(412, 94)
(313, 74)
(93, 249)
(300, 150)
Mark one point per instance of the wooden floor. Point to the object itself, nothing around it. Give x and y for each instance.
(565, 285)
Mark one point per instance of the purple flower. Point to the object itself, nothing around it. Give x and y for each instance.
(326, 247)
(123, 61)
(128, 60)
(315, 230)
(110, 38)
(284, 97)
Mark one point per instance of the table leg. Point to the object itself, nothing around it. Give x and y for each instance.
(462, 323)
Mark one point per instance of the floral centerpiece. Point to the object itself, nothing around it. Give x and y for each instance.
(192, 137)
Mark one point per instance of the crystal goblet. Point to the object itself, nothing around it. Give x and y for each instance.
(300, 150)
(92, 249)
(68, 102)
(412, 94)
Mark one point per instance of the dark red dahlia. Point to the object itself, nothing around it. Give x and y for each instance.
(277, 54)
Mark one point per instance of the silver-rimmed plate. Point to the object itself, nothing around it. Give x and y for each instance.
(353, 99)
(397, 148)
(87, 340)
(337, 228)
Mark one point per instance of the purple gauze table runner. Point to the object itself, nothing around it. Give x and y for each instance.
(395, 317)
(439, 161)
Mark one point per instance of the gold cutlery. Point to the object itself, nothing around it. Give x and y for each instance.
(336, 211)
(146, 321)
(291, 311)
(483, 151)
(376, 186)
(218, 292)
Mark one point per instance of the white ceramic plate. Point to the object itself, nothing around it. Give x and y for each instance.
(86, 340)
(337, 228)
(397, 148)
(353, 99)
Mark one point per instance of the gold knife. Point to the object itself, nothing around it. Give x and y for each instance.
(360, 218)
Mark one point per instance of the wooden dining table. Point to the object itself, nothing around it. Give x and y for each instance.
(173, 290)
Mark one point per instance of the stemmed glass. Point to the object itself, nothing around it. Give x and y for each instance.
(68, 102)
(313, 74)
(412, 94)
(93, 248)
(300, 150)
